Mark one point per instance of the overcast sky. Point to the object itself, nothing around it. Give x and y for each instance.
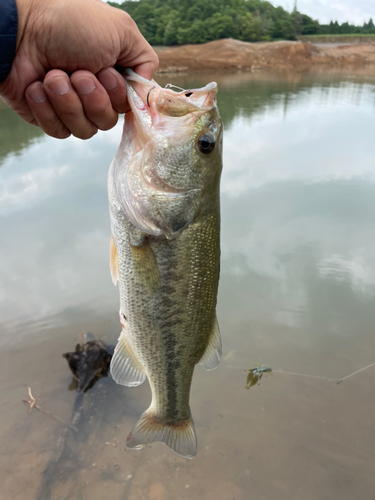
(354, 11)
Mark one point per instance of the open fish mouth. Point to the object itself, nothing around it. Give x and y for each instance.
(166, 101)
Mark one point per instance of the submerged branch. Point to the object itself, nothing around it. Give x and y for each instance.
(32, 403)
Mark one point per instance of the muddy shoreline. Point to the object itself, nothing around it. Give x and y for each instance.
(232, 54)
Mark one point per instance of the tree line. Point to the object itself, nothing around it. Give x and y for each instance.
(178, 22)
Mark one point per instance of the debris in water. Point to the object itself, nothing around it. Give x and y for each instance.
(32, 403)
(89, 363)
(255, 374)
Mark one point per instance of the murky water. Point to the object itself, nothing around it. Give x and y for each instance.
(297, 294)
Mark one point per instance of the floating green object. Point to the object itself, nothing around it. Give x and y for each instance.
(255, 374)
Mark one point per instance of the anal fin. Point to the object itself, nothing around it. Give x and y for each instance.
(212, 355)
(125, 368)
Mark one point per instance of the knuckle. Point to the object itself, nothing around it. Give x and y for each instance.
(52, 123)
(155, 61)
(99, 110)
(63, 135)
(71, 113)
(123, 19)
(79, 73)
(126, 18)
(58, 133)
(85, 134)
(110, 123)
(33, 122)
(52, 74)
(121, 107)
(52, 126)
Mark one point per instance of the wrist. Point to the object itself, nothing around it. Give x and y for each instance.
(8, 36)
(24, 9)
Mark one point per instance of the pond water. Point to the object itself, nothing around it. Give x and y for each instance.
(297, 294)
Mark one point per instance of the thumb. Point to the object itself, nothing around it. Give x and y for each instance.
(147, 70)
(135, 52)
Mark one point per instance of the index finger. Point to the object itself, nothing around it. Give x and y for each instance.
(115, 86)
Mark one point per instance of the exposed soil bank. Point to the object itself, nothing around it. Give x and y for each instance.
(232, 54)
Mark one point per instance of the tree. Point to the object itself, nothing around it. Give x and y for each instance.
(250, 28)
(196, 33)
(220, 26)
(171, 32)
(309, 26)
(171, 22)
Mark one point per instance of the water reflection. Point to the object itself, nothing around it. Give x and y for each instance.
(15, 134)
(298, 174)
(297, 290)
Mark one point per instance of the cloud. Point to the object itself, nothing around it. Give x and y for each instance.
(353, 11)
(22, 191)
(273, 146)
(354, 270)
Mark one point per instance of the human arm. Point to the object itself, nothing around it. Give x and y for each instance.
(62, 77)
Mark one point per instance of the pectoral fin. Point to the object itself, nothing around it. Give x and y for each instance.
(125, 368)
(146, 269)
(113, 261)
(212, 355)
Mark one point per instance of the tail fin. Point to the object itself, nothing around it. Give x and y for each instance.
(179, 437)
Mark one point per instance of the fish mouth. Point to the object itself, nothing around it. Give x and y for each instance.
(167, 102)
(197, 101)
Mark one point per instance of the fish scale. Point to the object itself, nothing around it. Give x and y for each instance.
(165, 254)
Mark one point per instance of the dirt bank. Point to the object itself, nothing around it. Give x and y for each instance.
(232, 54)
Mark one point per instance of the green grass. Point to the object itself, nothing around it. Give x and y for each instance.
(339, 35)
(352, 38)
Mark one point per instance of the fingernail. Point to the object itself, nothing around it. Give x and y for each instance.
(108, 80)
(59, 85)
(37, 94)
(84, 85)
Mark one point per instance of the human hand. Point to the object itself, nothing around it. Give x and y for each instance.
(62, 77)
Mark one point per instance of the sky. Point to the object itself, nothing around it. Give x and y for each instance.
(353, 11)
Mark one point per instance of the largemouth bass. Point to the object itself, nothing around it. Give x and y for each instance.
(163, 188)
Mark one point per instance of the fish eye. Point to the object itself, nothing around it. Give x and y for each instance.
(206, 143)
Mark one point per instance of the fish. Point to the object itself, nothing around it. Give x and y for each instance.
(164, 204)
